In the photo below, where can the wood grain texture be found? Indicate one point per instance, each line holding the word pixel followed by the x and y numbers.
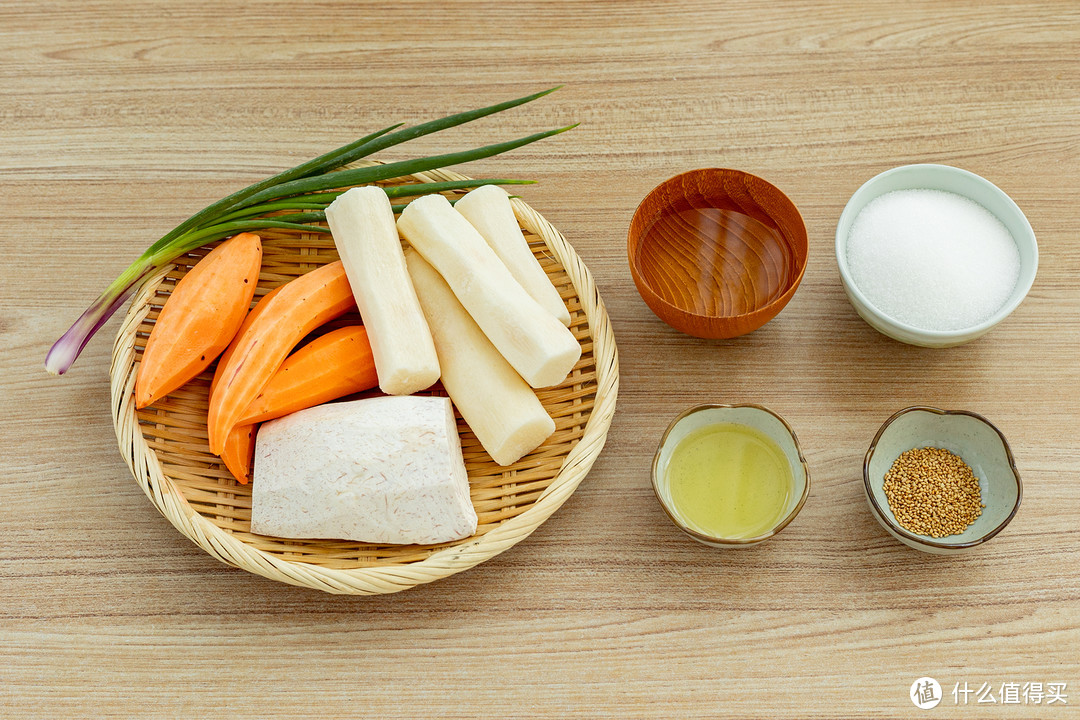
pixel 117 120
pixel 716 252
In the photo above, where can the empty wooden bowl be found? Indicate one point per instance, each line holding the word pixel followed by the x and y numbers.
pixel 716 253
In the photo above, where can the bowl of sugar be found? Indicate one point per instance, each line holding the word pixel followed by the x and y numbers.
pixel 933 255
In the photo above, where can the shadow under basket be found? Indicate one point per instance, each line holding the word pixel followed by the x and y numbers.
pixel 165 445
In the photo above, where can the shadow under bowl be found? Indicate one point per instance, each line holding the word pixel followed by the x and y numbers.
pixel 716 253
pixel 978 443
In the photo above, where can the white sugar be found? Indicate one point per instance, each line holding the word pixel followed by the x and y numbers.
pixel 932 259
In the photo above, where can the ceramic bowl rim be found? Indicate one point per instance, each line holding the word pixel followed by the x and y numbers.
pixel 941 335
pixel 922 539
pixel 709 539
pixel 778 303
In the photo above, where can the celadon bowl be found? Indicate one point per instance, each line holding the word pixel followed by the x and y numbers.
pixel 960 182
pixel 755 416
pixel 977 441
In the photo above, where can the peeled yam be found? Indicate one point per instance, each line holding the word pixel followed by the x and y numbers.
pixel 535 344
pixel 378 470
pixel 362 224
pixel 487 208
pixel 500 408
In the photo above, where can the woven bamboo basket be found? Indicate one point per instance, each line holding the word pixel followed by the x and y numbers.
pixel 165 445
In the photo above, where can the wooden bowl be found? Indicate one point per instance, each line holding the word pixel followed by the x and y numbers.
pixel 716 253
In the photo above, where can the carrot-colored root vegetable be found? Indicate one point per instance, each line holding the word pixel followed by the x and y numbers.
pixel 337 364
pixel 250 318
pixel 296 309
pixel 239 452
pixel 200 318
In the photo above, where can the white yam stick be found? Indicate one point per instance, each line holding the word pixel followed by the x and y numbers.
pixel 362 224
pixel 502 410
pixel 535 344
pixel 487 208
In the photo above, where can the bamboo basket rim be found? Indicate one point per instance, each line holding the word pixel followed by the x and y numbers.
pixel 226 547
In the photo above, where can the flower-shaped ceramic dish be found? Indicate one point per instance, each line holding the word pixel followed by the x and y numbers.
pixel 960 182
pixel 977 441
pixel 716 253
pixel 755 416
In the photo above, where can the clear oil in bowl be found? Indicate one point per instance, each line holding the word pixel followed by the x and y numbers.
pixel 729 481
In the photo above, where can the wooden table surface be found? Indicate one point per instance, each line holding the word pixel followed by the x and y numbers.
pixel 118 119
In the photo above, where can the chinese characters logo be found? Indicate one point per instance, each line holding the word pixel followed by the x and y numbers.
pixel 925 693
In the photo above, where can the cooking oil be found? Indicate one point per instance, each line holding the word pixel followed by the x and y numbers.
pixel 729 480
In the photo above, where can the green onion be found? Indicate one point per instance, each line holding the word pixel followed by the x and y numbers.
pixel 296 189
pixel 321 200
pixel 230 201
pixel 258 210
pixel 280 222
pixel 374 173
pixel 380 141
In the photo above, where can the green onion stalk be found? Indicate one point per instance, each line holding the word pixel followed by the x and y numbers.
pixel 293 199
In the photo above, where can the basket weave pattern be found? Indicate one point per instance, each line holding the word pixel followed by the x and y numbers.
pixel 165 445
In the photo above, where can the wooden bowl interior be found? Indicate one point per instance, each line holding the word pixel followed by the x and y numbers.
pixel 719 250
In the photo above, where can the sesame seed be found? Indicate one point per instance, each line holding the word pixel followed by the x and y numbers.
pixel 933 492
